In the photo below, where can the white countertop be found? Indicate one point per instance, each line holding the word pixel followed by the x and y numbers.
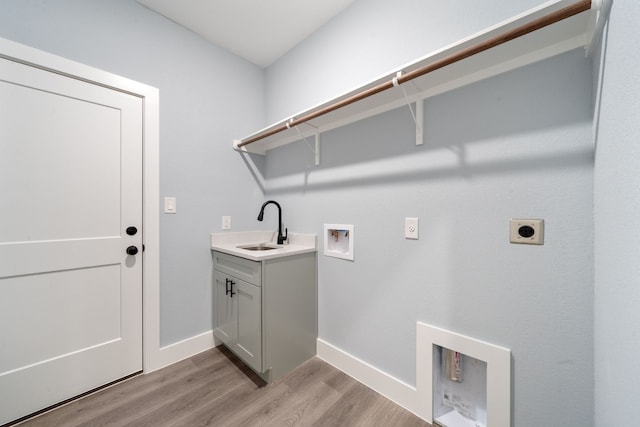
pixel 229 242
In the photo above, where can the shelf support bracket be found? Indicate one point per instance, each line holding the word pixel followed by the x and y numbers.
pixel 419 120
pixel 315 151
pixel 317 148
pixel 418 115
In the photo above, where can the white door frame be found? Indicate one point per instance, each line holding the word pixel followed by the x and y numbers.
pixel 152 357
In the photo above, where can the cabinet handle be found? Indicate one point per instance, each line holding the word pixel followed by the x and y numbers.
pixel 231 293
pixel 228 287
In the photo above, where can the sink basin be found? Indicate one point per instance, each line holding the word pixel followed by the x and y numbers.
pixel 261 247
pixel 258 248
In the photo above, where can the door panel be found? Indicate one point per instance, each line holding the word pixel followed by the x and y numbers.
pixel 95 287
pixel 70 184
pixel 249 323
pixel 52 194
pixel 226 313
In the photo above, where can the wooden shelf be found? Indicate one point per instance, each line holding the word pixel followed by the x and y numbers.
pixel 567 34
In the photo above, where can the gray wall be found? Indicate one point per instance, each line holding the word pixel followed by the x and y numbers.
pixel 371 38
pixel 517 145
pixel 617 209
pixel 207 97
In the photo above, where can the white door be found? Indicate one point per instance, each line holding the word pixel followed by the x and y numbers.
pixel 70 186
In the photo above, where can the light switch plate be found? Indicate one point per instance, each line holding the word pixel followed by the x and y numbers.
pixel 411 228
pixel 527 231
pixel 169 205
pixel 226 222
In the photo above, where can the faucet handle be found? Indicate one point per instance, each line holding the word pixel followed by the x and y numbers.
pixel 283 239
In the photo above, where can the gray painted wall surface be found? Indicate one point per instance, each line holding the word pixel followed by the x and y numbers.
pixel 617 208
pixel 371 38
pixel 518 145
pixel 207 97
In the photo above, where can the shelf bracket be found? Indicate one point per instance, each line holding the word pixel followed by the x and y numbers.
pixel 317 148
pixel 418 115
pixel 315 151
pixel 419 120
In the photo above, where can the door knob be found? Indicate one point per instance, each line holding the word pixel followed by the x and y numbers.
pixel 131 231
pixel 132 250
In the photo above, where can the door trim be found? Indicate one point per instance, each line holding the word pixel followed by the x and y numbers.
pixel 151 354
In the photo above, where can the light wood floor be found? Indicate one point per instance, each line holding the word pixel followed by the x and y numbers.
pixel 215 389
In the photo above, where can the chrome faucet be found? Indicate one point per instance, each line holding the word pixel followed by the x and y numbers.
pixel 281 238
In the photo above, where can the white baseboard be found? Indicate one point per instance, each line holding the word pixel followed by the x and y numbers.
pixel 390 387
pixel 184 349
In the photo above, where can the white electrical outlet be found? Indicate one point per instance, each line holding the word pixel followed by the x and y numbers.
pixel 411 228
pixel 226 222
pixel 527 231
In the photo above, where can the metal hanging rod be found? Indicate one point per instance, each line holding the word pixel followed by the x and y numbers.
pixel 544 21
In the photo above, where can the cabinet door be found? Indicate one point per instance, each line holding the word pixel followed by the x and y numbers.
pixel 226 310
pixel 249 332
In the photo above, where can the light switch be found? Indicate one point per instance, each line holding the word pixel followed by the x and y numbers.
pixel 169 205
pixel 226 222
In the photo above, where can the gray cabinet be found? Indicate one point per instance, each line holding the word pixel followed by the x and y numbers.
pixel 238 311
pixel 265 311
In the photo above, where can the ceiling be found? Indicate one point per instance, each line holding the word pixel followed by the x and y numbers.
pixel 258 30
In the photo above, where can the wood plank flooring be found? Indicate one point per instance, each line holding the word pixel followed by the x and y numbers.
pixel 215 388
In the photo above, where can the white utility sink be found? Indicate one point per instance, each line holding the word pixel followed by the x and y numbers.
pixel 261 245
